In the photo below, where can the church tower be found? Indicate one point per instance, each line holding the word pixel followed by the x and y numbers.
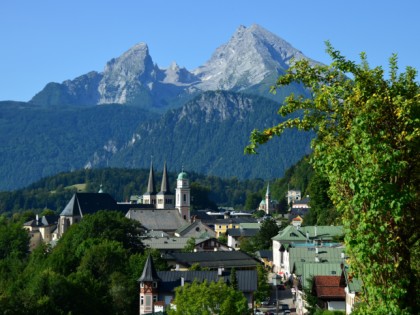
pixel 149 281
pixel 182 202
pixel 165 200
pixel 149 197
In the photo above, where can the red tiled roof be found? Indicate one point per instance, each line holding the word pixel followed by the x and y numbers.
pixel 328 287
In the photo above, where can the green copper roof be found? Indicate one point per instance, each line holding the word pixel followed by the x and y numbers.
pixel 183 175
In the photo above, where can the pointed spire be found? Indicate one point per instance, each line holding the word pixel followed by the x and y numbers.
pixel 267 193
pixel 149 271
pixel 165 183
pixel 151 188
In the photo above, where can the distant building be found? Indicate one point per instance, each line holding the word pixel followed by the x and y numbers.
pixel 157 288
pixel 268 205
pixel 41 230
pixel 293 195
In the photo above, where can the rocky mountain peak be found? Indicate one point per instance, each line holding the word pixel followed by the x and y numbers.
pixel 122 76
pixel 250 55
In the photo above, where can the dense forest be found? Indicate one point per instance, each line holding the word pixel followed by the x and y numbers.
pixel 208 192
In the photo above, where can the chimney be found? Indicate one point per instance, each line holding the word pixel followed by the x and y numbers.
pixel 307 236
pixel 317 259
pixel 315 231
pixel 177 267
pixel 220 271
pixel 182 281
pixel 316 250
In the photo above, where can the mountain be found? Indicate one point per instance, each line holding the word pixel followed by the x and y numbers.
pixel 251 56
pixel 200 119
pixel 208 135
pixel 42 141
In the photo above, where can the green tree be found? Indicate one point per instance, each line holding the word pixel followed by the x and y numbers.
pixel 233 279
pixel 209 298
pixel 263 290
pixel 367 147
pixel 189 247
pixel 252 201
pixel 268 229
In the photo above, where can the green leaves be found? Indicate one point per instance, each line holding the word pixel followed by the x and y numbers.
pixel 367 148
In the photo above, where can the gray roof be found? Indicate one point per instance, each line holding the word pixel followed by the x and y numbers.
pixel 247 279
pixel 167 242
pixel 195 229
pixel 157 219
pixel 242 232
pixel 88 203
pixel 149 271
pixel 214 260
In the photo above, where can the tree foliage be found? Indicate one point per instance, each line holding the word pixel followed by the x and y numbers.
pixel 367 147
pixel 203 298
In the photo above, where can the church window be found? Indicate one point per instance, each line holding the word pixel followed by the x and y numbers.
pixel 185 197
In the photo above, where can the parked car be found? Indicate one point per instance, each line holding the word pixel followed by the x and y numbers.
pixel 258 312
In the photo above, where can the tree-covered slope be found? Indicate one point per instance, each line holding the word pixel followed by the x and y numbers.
pixel 42 141
pixel 208 136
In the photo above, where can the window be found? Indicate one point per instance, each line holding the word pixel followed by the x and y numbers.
pixel 154 298
pixel 154 284
pixel 185 197
pixel 142 300
pixel 141 284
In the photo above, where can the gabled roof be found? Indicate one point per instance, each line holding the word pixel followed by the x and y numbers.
pixel 88 203
pixel 328 288
pixel 292 234
pixel 195 229
pixel 226 259
pixel 247 279
pixel 319 269
pixel 167 242
pixel 149 271
pixel 308 254
pixel 157 219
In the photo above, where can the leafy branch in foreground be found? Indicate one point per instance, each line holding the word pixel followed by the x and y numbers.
pixel 367 147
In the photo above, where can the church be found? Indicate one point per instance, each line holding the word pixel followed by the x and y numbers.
pixel 165 211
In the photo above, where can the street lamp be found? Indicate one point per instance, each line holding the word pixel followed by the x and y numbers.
pixel 276 281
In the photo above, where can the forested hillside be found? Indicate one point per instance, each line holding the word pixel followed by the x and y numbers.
pixel 42 141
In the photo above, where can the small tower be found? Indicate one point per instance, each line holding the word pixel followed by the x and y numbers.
pixel 165 199
pixel 148 287
pixel 182 200
pixel 149 197
pixel 267 200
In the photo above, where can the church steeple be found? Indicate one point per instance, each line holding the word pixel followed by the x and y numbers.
pixel 165 199
pixel 164 187
pixel 149 197
pixel 151 187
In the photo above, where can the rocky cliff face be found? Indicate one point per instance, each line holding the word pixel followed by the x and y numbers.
pixel 251 55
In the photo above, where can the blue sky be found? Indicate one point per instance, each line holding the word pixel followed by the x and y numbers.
pixel 52 40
